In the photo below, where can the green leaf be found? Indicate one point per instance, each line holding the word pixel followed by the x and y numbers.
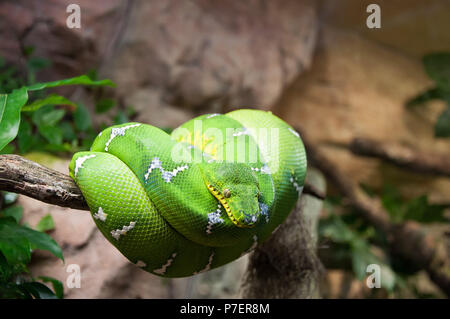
pixel 420 210
pixel 14 212
pixel 7 271
pixel 57 285
pixel 36 63
pixel 47 116
pixel 52 134
pixel 8 149
pixel 28 50
pixel 38 290
pixel 361 258
pixel 335 229
pixel 393 202
pixel 67 130
pixel 24 137
pixel 82 118
pixel 442 126
pixel 12 291
pixel 16 241
pixel 104 105
pixel 79 80
pixel 15 248
pixel 64 147
pixel 431 94
pixel 10 106
pixel 46 223
pixel 53 99
pixel 92 74
pixel 437 65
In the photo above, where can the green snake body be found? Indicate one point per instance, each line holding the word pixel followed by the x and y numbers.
pixel 180 204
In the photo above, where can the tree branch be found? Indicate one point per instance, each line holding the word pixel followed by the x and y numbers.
pixel 407 240
pixel 402 156
pixel 26 177
pixel 22 176
pixel 286 265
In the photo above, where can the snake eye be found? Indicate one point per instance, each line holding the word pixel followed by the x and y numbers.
pixel 226 193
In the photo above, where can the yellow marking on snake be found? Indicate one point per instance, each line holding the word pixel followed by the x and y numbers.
pixel 224 203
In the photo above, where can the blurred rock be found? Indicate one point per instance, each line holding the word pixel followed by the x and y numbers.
pixel 416 28
pixel 197 54
pixel 43 27
pixel 151 110
pixel 203 54
pixel 358 88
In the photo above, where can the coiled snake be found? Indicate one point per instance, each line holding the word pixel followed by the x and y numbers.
pixel 184 203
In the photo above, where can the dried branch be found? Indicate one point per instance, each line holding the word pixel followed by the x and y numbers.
pixel 26 177
pixel 286 265
pixel 402 156
pixel 407 240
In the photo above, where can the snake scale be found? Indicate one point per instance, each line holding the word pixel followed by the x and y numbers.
pixel 183 203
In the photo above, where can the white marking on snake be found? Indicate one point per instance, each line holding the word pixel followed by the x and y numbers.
pixel 100 134
pixel 297 187
pixel 141 264
pixel 264 210
pixel 244 131
pixel 263 170
pixel 163 269
pixel 208 265
pixel 212 115
pixel 293 132
pixel 118 131
pixel 166 175
pixel 118 232
pixel 100 215
pixel 79 162
pixel 214 218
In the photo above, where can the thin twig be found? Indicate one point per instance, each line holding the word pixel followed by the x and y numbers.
pixel 402 156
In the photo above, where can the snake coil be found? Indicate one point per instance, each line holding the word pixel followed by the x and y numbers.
pixel 211 191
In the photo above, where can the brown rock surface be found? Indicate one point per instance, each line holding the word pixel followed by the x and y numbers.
pixel 358 88
pixel 43 27
pixel 413 27
pixel 197 54
pixel 210 54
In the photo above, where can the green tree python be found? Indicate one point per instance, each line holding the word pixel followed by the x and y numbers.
pixel 181 204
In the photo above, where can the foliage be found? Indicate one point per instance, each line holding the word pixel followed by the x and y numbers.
pixel 352 238
pixel 356 243
pixel 17 242
pixel 31 120
pixel 437 66
pixel 417 209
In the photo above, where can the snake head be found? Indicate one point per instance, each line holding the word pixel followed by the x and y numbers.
pixel 237 189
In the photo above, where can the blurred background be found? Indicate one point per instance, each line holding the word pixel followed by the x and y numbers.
pixel 315 64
